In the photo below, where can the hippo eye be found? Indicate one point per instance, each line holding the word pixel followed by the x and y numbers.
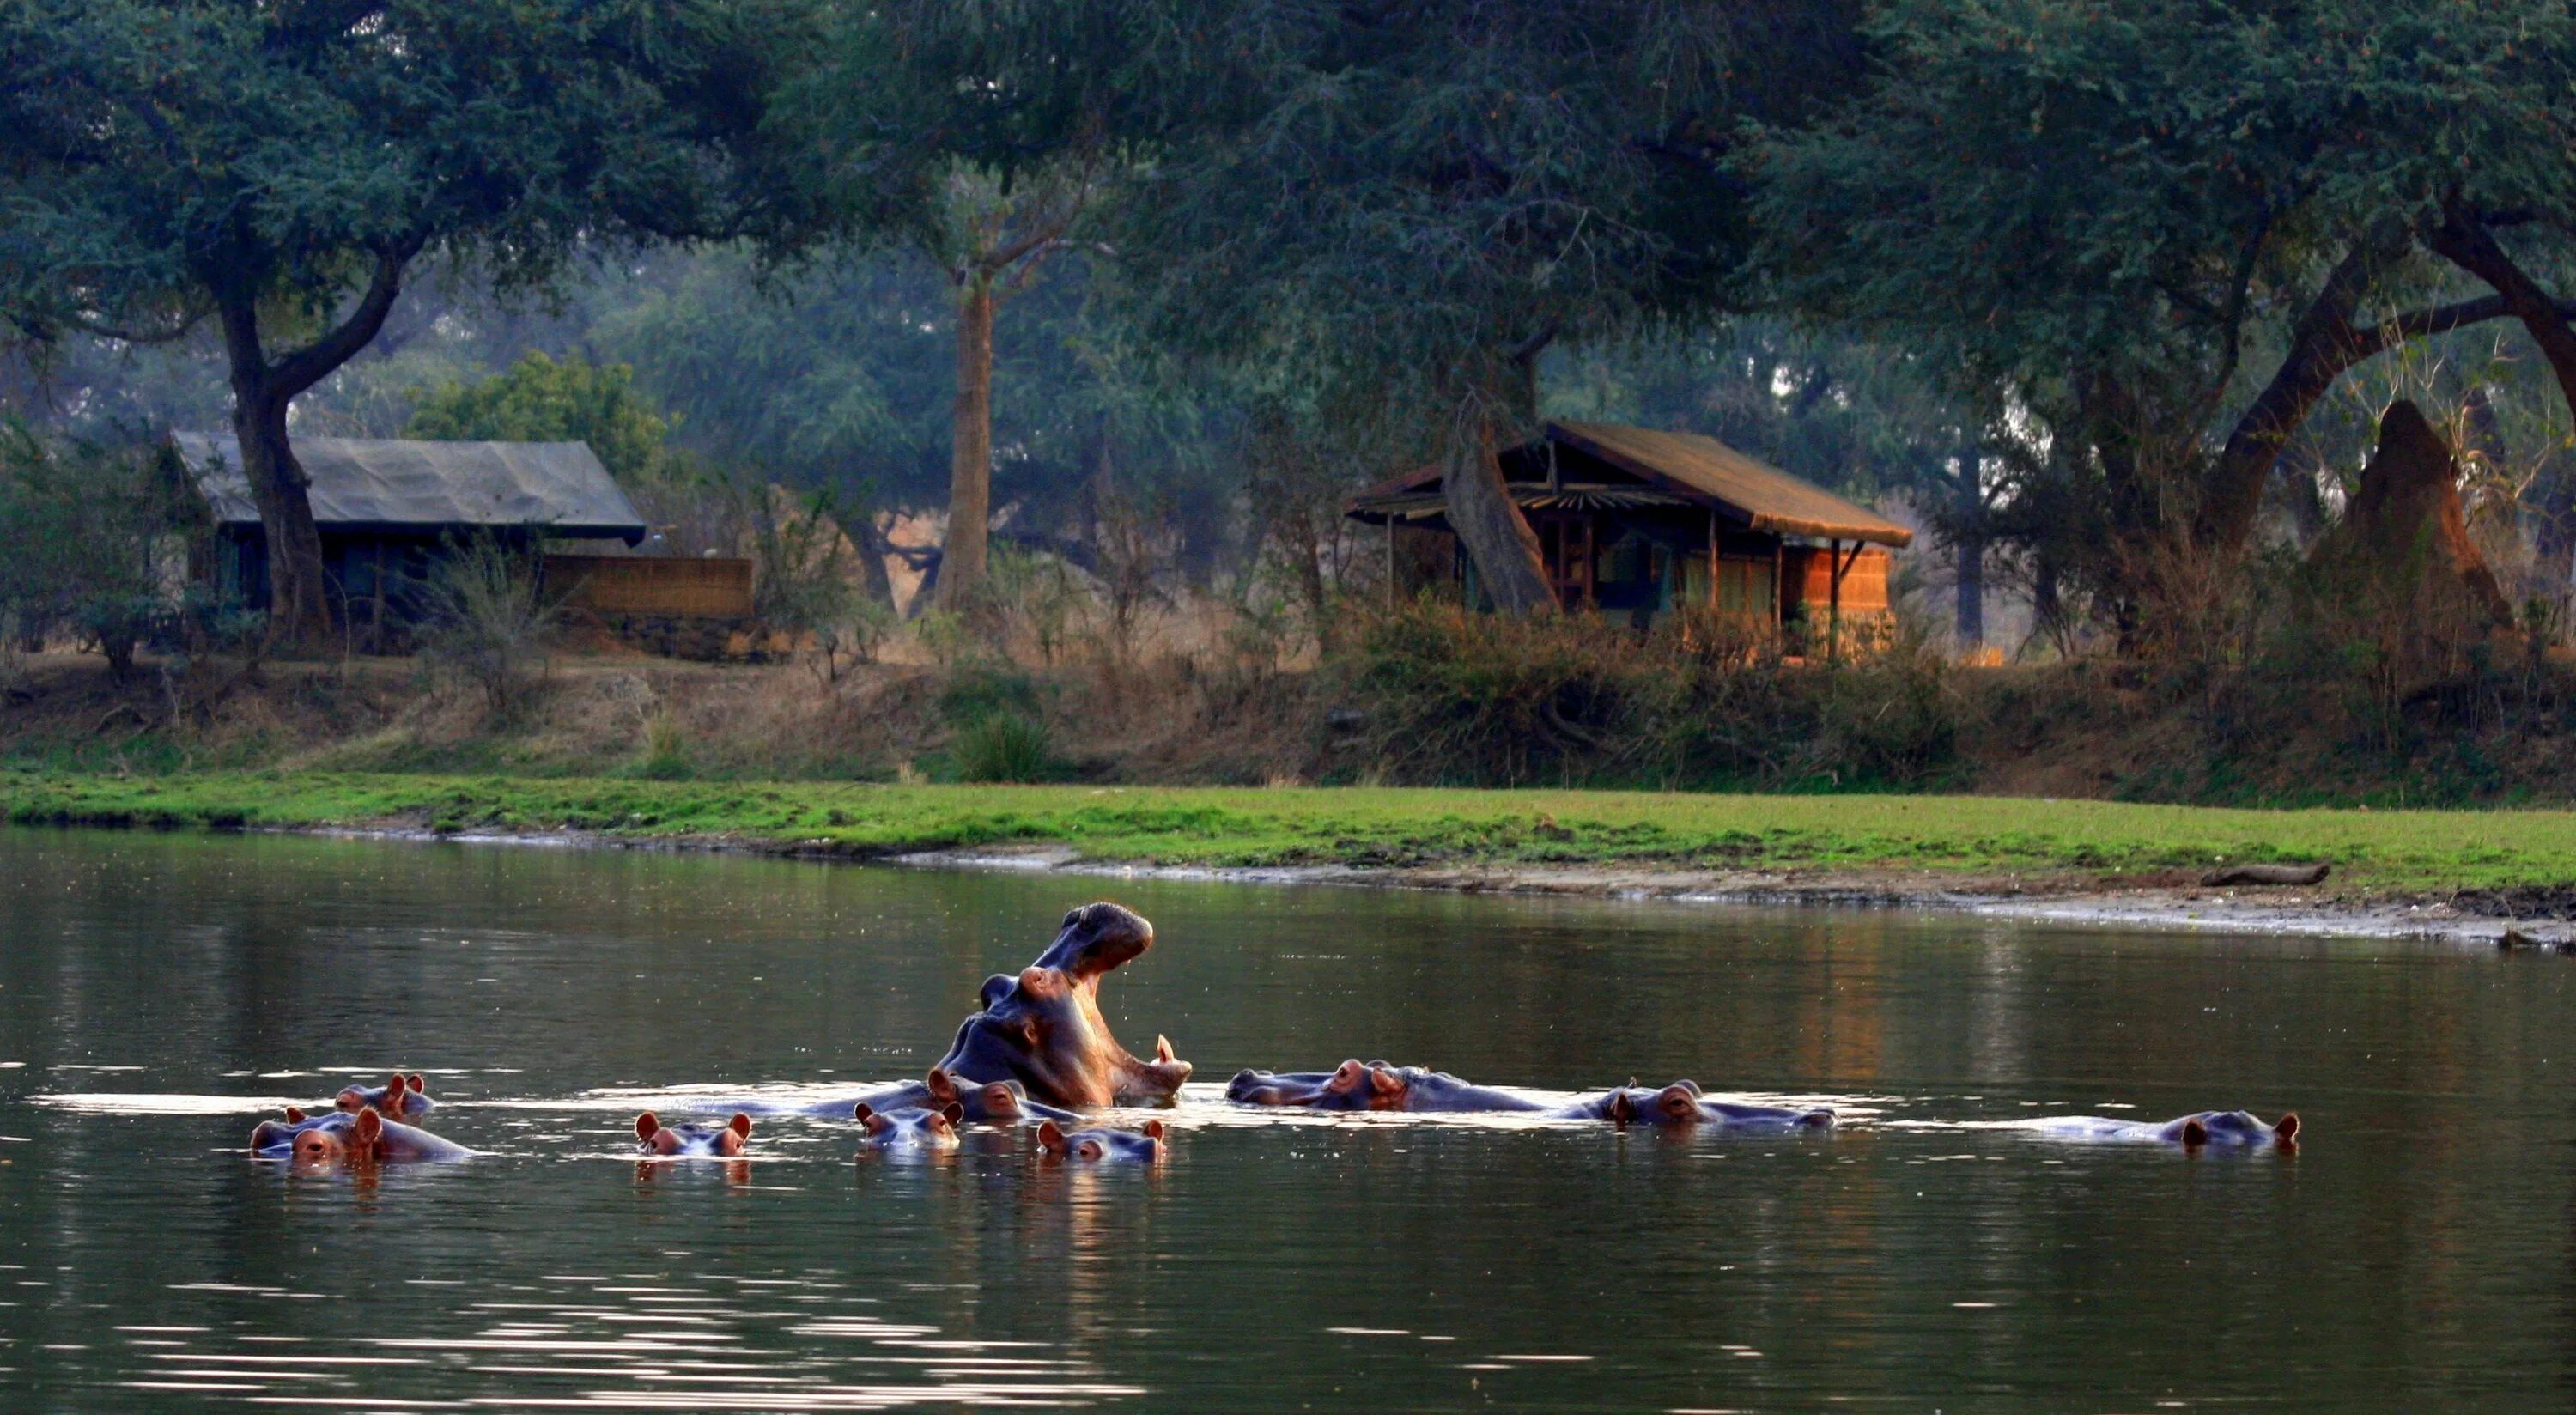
pixel 1071 918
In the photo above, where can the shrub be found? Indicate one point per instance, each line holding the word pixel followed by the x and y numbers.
pixel 488 622
pixel 1448 696
pixel 1004 747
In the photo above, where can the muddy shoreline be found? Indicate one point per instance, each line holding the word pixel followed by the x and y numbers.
pixel 2469 919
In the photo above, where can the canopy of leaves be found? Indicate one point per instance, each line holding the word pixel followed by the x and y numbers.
pixel 163 156
pixel 540 400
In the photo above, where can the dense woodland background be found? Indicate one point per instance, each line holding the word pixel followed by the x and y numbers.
pixel 2113 299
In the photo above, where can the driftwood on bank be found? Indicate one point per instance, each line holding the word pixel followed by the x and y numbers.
pixel 2266 874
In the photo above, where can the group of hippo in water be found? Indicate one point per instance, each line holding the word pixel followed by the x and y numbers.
pixel 1038 1051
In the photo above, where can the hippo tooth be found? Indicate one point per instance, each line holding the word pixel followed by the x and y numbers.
pixel 1162 1047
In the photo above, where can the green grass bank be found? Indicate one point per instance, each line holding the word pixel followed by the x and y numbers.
pixel 2375 853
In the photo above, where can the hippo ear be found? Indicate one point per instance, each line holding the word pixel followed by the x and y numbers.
pixel 419 1087
pixel 953 1113
pixel 740 1125
pixel 646 1124
pixel 863 1113
pixel 1154 1129
pixel 2287 1132
pixel 294 1116
pixel 876 1124
pixel 395 1086
pixel 943 1087
pixel 1051 1138
pixel 1385 1082
pixel 2195 1133
pixel 1622 1108
pixel 370 1126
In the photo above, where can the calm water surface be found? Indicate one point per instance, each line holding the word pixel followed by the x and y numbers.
pixel 156 993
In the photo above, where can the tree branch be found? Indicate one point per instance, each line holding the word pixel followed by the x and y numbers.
pixel 314 362
pixel 2465 239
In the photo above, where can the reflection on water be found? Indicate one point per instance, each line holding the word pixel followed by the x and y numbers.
pixel 157 994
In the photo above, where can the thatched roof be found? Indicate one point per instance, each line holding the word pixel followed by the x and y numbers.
pixel 1633 466
pixel 382 485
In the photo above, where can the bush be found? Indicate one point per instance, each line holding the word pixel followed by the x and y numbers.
pixel 488 622
pixel 97 536
pixel 1449 696
pixel 1005 747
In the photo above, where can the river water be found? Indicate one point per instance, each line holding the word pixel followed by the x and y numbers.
pixel 159 993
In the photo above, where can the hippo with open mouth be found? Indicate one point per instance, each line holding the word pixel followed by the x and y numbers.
pixel 726 1141
pixel 1043 1028
pixel 400 1097
pixel 2201 1128
pixel 354 1137
pixel 1090 1146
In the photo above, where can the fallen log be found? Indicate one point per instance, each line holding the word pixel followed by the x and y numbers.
pixel 2266 874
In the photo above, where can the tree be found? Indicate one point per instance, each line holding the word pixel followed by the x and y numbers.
pixel 276 170
pixel 2157 229
pixel 1405 205
pixel 539 399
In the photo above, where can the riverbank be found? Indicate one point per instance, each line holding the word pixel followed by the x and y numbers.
pixel 2452 873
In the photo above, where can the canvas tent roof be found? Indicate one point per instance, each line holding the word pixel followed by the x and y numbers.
pixel 386 485
pixel 1672 467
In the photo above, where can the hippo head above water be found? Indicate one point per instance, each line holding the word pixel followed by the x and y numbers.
pixel 2231 1127
pixel 1372 1085
pixel 708 1141
pixel 1090 1145
pixel 1682 1104
pixel 400 1097
pixel 361 1137
pixel 1044 1030
pixel 912 1127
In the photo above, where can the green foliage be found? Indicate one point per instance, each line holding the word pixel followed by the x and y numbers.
pixel 98 536
pixel 538 399
pixel 1005 747
pixel 1453 697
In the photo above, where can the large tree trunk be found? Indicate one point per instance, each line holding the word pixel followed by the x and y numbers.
pixel 299 598
pixel 299 594
pixel 1968 549
pixel 1509 562
pixel 970 465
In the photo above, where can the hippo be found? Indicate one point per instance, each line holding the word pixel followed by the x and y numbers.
pixel 1682 1104
pixel 1374 1085
pixel 911 1127
pixel 726 1141
pixel 2207 1127
pixel 1044 1030
pixel 1102 1144
pixel 988 1103
pixel 354 1137
pixel 399 1098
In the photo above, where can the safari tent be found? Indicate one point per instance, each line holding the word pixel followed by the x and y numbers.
pixel 388 509
pixel 1636 524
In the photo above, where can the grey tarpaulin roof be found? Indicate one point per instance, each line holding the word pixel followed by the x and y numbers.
pixel 384 485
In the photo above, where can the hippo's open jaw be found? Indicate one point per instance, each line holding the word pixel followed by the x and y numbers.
pixel 1095 939
pixel 1043 1028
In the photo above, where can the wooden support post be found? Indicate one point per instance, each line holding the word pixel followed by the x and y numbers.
pixel 1712 561
pixel 1779 584
pixel 1390 560
pixel 1834 595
